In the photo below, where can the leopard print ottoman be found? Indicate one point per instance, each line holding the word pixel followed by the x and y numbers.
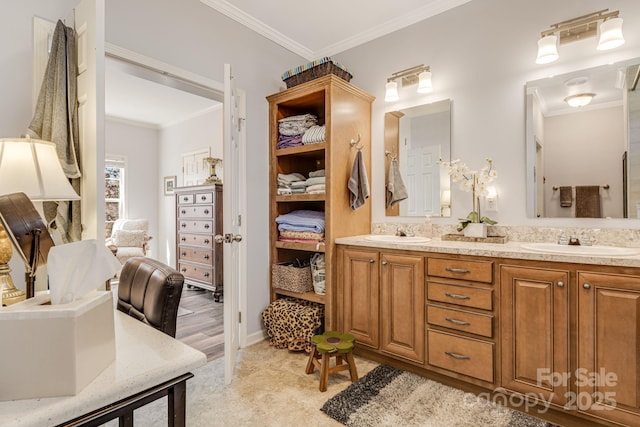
pixel 291 323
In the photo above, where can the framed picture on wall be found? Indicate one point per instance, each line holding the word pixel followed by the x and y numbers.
pixel 169 185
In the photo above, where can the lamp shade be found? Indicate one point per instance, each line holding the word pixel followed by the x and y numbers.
pixel 424 82
pixel 547 49
pixel 391 92
pixel 610 34
pixel 32 167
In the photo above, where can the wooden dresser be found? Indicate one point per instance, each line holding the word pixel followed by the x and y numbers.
pixel 198 220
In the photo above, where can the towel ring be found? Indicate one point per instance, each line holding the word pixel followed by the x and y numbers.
pixel 354 143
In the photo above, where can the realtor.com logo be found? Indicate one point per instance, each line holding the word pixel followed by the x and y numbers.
pixel 542 401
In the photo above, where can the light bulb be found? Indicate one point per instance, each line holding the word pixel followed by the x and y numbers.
pixel 391 93
pixel 547 49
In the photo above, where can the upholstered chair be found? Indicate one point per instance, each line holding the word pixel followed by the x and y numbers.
pixel 129 238
pixel 150 292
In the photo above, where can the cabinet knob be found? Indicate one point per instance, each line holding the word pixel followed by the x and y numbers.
pixel 206 256
pixel 206 226
pixel 207 241
pixel 183 254
pixel 184 270
pixel 183 225
pixel 561 284
pixel 586 285
pixel 206 274
pixel 183 212
pixel 384 262
pixel 184 239
pixel 371 261
pixel 203 198
pixel 206 211
pixel 185 198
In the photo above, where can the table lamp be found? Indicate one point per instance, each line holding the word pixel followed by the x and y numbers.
pixel 29 172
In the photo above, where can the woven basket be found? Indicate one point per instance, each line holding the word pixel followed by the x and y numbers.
pixel 290 278
pixel 317 71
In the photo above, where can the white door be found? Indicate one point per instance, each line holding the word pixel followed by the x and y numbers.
pixel 233 176
pixel 89 25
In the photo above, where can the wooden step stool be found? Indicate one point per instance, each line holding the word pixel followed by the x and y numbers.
pixel 328 345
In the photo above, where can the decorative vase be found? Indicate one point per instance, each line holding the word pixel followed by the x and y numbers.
pixel 476 229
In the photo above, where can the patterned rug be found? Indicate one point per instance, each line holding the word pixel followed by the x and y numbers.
pixel 391 397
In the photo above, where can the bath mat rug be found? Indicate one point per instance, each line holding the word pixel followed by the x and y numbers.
pixel 390 397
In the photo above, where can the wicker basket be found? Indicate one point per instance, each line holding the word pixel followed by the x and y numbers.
pixel 286 276
pixel 317 71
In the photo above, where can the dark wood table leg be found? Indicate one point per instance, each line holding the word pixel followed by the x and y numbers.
pixel 126 420
pixel 177 404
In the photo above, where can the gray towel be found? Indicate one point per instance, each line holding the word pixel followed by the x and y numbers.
pixel 396 191
pixel 56 119
pixel 566 196
pixel 588 201
pixel 358 183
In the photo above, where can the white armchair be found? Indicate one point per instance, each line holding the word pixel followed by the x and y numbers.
pixel 129 238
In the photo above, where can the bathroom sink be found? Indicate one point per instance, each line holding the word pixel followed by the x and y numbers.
pixel 390 238
pixel 553 248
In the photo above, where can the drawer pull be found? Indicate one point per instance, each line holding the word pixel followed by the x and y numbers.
pixel 206 226
pixel 456 296
pixel 206 274
pixel 183 254
pixel 457 270
pixel 203 198
pixel 183 225
pixel 587 286
pixel 206 211
pixel 206 256
pixel 457 356
pixel 371 261
pixel 561 284
pixel 206 241
pixel 185 199
pixel 457 322
pixel 184 239
pixel 183 212
pixel 184 270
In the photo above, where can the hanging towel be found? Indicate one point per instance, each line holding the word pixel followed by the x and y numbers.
pixel 588 201
pixel 56 119
pixel 358 183
pixel 396 191
pixel 565 197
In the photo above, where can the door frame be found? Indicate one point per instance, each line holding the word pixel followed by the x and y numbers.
pixel 195 82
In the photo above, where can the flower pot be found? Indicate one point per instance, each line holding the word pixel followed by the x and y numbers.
pixel 475 229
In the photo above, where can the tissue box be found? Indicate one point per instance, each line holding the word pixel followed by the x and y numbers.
pixel 55 350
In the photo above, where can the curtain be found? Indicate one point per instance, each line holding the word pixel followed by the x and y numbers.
pixel 56 119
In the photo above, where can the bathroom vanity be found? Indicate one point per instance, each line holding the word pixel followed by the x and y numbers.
pixel 559 329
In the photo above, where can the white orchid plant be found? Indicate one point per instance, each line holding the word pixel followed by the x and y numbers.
pixel 476 182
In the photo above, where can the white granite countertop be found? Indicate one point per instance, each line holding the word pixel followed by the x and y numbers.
pixel 144 357
pixel 498 250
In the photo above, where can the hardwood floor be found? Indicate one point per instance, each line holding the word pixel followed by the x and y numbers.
pixel 204 328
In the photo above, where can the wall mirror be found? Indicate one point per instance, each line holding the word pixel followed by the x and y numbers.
pixel 414 139
pixel 584 161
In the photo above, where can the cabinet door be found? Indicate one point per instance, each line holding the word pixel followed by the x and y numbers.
pixel 608 375
pixel 402 306
pixel 360 299
pixel 535 331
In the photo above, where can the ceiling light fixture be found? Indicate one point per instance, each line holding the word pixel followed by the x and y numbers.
pixel 420 74
pixel 579 99
pixel 580 28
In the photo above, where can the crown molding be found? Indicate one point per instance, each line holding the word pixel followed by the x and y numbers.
pixel 259 27
pixel 433 8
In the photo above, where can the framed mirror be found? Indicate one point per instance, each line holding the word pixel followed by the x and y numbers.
pixel 415 139
pixel 584 160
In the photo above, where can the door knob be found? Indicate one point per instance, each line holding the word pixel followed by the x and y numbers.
pixel 218 238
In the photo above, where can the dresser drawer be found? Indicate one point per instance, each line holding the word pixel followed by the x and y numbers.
pixel 461 295
pixel 185 199
pixel 195 212
pixel 196 240
pixel 462 355
pixel 204 197
pixel 202 256
pixel 198 226
pixel 477 271
pixel 460 320
pixel 196 272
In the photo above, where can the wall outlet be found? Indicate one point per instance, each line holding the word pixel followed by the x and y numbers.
pixel 492 203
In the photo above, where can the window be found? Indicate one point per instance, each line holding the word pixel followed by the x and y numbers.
pixel 113 192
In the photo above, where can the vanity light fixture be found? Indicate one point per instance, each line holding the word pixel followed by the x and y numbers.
pixel 582 27
pixel 579 99
pixel 420 74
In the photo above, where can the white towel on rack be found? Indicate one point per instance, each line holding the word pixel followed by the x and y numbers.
pixel 358 183
pixel 396 191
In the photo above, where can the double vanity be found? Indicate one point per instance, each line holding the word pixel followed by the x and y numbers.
pixel 554 325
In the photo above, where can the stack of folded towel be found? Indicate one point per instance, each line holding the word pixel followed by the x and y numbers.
pixel 291 183
pixel 315 185
pixel 314 135
pixel 303 226
pixel 291 129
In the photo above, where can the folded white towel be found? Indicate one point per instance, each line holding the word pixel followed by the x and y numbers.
pixel 290 177
pixel 316 180
pixel 314 174
pixel 358 182
pixel 396 191
pixel 316 188
pixel 314 135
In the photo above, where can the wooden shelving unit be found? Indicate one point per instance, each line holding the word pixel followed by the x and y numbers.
pixel 345 110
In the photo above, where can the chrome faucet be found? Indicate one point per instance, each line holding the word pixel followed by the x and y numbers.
pixel 402 232
pixel 574 241
pixel 562 240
